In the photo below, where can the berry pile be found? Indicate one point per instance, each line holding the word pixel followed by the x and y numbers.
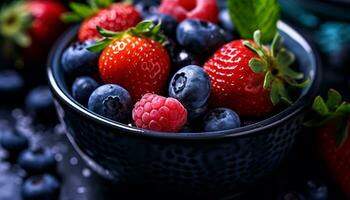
pixel 181 68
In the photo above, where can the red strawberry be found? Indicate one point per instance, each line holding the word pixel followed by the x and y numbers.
pixel 188 9
pixel 113 17
pixel 33 25
pixel 333 137
pixel 138 63
pixel 247 77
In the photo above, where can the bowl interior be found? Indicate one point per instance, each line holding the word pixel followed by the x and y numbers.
pixel 306 60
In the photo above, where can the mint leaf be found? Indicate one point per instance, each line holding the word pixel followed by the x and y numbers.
pixel 251 15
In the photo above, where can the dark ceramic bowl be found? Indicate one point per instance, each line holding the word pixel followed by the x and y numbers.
pixel 196 163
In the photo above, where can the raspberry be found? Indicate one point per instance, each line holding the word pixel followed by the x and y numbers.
pixel 157 113
pixel 190 9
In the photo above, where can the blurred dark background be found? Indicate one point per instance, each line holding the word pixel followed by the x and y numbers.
pixel 27 106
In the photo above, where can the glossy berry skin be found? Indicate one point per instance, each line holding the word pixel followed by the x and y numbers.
pixel 190 9
pixel 42 187
pixel 159 113
pixel 168 23
pixel 191 86
pixel 219 119
pixel 111 101
pixel 140 65
pixel 82 89
pixel 184 58
pixel 12 87
pixel 234 84
pixel 13 141
pixel 200 37
pixel 37 161
pixel 78 61
pixel 45 28
pixel 336 157
pixel 225 20
pixel 39 102
pixel 117 17
pixel 316 190
pixel 146 9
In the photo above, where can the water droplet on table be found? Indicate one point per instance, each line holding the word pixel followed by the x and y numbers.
pixel 73 161
pixel 86 172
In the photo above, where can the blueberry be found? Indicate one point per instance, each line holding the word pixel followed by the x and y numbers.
pixel 200 37
pixel 82 89
pixel 191 86
pixel 292 196
pixel 111 101
pixel 225 21
pixel 11 87
pixel 316 190
pixel 184 58
pixel 220 119
pixel 146 9
pixel 43 187
pixel 39 102
pixel 37 161
pixel 78 61
pixel 10 81
pixel 168 25
pixel 13 141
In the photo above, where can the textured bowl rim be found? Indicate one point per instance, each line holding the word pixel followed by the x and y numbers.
pixel 293 110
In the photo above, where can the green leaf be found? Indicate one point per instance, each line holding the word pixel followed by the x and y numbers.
pixel 343 108
pixel 334 99
pixel 251 15
pixel 276 44
pixel 274 93
pixel 285 58
pixel 342 131
pixel 257 37
pixel 105 33
pixel 144 26
pixel 256 50
pixel 283 93
pixel 81 9
pixel 103 3
pixel 320 106
pixel 268 80
pixel 100 45
pixel 257 65
pixel 22 39
pixel 301 85
pixel 71 18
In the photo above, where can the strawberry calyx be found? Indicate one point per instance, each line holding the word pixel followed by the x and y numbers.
pixel 275 63
pixel 15 21
pixel 334 108
pixel 143 29
pixel 81 11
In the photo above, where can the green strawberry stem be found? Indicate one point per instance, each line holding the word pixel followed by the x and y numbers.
pixel 275 63
pixel 333 109
pixel 82 11
pixel 142 29
pixel 14 24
